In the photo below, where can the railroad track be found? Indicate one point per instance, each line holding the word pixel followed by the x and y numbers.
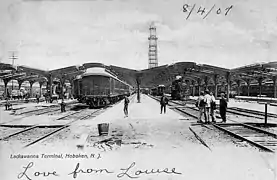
pixel 45 110
pixel 37 133
pixel 249 112
pixel 236 110
pixel 17 102
pixel 37 112
pixel 262 139
pixel 33 112
pixel 257 137
pixel 32 135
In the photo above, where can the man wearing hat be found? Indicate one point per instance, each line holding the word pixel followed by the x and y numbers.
pixel 223 107
pixel 208 100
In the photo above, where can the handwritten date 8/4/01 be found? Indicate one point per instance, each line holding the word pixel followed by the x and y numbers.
pixel 204 12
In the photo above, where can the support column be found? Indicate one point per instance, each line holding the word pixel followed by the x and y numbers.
pixel 19 83
pixel 50 82
pixel 138 81
pixel 62 86
pixel 187 93
pixel 193 87
pixel 72 87
pixel 228 85
pixel 6 87
pixel 40 88
pixel 31 88
pixel 248 86
pixel 215 85
pixel 260 80
pixel 274 86
pixel 138 89
pixel 238 88
pixel 199 86
pixel 206 82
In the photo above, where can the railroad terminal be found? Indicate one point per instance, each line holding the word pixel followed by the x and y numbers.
pixel 246 143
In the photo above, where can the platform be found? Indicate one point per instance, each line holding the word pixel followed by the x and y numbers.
pixel 155 141
pixel 253 105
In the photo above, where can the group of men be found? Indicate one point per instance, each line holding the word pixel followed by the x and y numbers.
pixel 207 106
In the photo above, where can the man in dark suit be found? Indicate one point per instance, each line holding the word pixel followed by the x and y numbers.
pixel 126 103
pixel 223 107
pixel 163 103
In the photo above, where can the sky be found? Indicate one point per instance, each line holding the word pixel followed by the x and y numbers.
pixel 51 34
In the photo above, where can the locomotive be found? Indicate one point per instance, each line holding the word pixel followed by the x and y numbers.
pixel 98 87
pixel 176 89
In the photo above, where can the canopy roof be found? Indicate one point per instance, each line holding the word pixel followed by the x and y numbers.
pixel 190 71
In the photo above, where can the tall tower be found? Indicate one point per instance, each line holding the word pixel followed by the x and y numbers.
pixel 153 51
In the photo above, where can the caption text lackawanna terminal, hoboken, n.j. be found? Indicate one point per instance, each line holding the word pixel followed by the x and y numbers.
pixel 55 156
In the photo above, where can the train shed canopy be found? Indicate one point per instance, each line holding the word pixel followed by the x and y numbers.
pixel 4 66
pixel 260 73
pixel 190 72
pixel 125 74
pixel 195 73
pixel 25 73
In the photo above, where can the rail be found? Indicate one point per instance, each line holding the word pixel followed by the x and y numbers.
pixel 267 143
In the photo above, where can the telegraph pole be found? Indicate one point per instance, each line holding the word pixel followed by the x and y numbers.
pixel 13 58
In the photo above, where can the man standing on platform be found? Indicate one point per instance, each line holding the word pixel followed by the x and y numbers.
pixel 37 97
pixel 163 103
pixel 208 100
pixel 213 108
pixel 62 106
pixel 201 105
pixel 223 107
pixel 126 103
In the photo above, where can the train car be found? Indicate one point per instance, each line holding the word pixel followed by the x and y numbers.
pixel 76 87
pixel 254 90
pixel 98 87
pixel 176 89
pixel 145 91
pixel 154 91
pixel 161 89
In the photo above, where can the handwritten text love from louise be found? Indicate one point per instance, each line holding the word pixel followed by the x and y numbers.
pixel 204 12
pixel 29 172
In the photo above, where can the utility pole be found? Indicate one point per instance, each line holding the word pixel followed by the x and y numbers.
pixel 13 58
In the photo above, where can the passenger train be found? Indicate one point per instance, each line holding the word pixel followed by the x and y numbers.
pixel 158 91
pixel 254 89
pixel 98 87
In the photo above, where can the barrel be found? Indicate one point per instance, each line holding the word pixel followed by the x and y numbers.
pixel 103 129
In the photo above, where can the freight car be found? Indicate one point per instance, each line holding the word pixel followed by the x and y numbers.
pixel 98 87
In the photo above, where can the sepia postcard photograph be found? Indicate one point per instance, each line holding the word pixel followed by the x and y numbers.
pixel 138 89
